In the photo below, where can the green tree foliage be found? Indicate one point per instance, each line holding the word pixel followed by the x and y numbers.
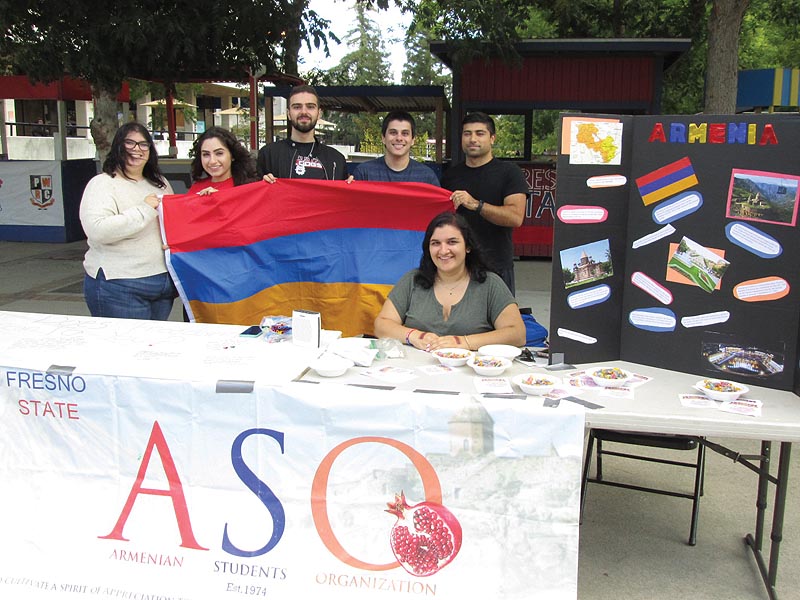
pixel 422 68
pixel 509 142
pixel 768 36
pixel 473 27
pixel 158 114
pixel 309 28
pixel 684 82
pixel 367 63
pixel 107 41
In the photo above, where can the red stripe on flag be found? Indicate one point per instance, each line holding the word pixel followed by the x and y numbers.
pixel 265 211
pixel 665 170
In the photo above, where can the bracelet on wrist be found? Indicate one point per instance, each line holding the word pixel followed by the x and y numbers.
pixel 466 341
pixel 408 336
pixel 480 207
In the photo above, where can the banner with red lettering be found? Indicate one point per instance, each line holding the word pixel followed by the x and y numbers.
pixel 116 487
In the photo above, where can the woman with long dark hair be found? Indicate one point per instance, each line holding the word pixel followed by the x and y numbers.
pixel 126 275
pixel 451 300
pixel 219 161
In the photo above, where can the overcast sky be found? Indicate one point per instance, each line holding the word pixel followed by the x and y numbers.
pixel 342 16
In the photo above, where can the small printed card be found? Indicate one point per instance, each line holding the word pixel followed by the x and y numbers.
pixel 623 393
pixel 637 380
pixel 583 380
pixel 435 369
pixel 493 385
pixel 558 393
pixel 580 379
pixel 390 374
pixel 697 401
pixel 743 406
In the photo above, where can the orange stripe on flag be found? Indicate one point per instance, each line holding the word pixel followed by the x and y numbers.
pixel 352 307
pixel 669 190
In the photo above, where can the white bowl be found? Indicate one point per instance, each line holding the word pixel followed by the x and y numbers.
pixel 331 365
pixel 488 366
pixel 721 389
pixel 503 350
pixel 609 376
pixel 452 357
pixel 536 384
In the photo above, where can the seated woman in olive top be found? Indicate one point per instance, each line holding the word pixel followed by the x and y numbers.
pixel 451 300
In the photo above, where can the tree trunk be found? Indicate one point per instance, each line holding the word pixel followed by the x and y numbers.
pixel 104 124
pixel 292 41
pixel 724 24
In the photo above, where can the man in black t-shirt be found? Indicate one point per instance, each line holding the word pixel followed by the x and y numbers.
pixel 301 155
pixel 490 193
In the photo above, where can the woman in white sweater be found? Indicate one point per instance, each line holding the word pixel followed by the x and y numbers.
pixel 126 275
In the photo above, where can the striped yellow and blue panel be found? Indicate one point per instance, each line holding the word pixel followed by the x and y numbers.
pixel 267 249
pixel 785 87
pixel 666 181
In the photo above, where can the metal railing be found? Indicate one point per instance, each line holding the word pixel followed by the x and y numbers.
pixel 23 128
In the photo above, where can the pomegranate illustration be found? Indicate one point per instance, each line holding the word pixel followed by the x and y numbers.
pixel 425 537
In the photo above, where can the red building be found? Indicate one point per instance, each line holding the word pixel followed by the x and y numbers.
pixel 618 76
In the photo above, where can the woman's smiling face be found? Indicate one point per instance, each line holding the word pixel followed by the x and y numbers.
pixel 448 249
pixel 137 151
pixel 216 159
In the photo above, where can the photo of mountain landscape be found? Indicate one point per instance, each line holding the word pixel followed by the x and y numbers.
pixel 762 196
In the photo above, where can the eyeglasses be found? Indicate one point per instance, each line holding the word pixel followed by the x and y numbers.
pixel 131 144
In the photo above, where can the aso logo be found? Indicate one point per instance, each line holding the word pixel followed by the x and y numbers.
pixel 425 537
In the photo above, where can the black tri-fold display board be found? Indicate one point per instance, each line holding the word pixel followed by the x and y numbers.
pixel 676 244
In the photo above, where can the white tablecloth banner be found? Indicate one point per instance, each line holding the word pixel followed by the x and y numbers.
pixel 117 487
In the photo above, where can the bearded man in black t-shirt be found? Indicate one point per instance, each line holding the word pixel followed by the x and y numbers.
pixel 301 155
pixel 490 193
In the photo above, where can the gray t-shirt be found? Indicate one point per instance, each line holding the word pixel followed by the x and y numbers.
pixel 475 313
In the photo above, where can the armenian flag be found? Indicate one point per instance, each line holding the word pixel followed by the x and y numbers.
pixel 266 249
pixel 666 181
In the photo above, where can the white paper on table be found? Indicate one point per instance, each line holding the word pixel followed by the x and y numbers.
pixel 559 392
pixel 580 379
pixel 623 393
pixel 743 406
pixel 362 357
pixel 493 385
pixel 435 369
pixel 390 374
pixel 697 401
pixel 636 380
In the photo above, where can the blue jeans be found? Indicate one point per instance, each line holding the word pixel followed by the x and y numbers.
pixel 139 298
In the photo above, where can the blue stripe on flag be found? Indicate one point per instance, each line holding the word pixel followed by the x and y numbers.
pixel 666 180
pixel 331 256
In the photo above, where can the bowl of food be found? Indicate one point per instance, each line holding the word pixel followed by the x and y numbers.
pixel 721 389
pixel 536 384
pixel 452 357
pixel 331 365
pixel 489 366
pixel 609 376
pixel 503 350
